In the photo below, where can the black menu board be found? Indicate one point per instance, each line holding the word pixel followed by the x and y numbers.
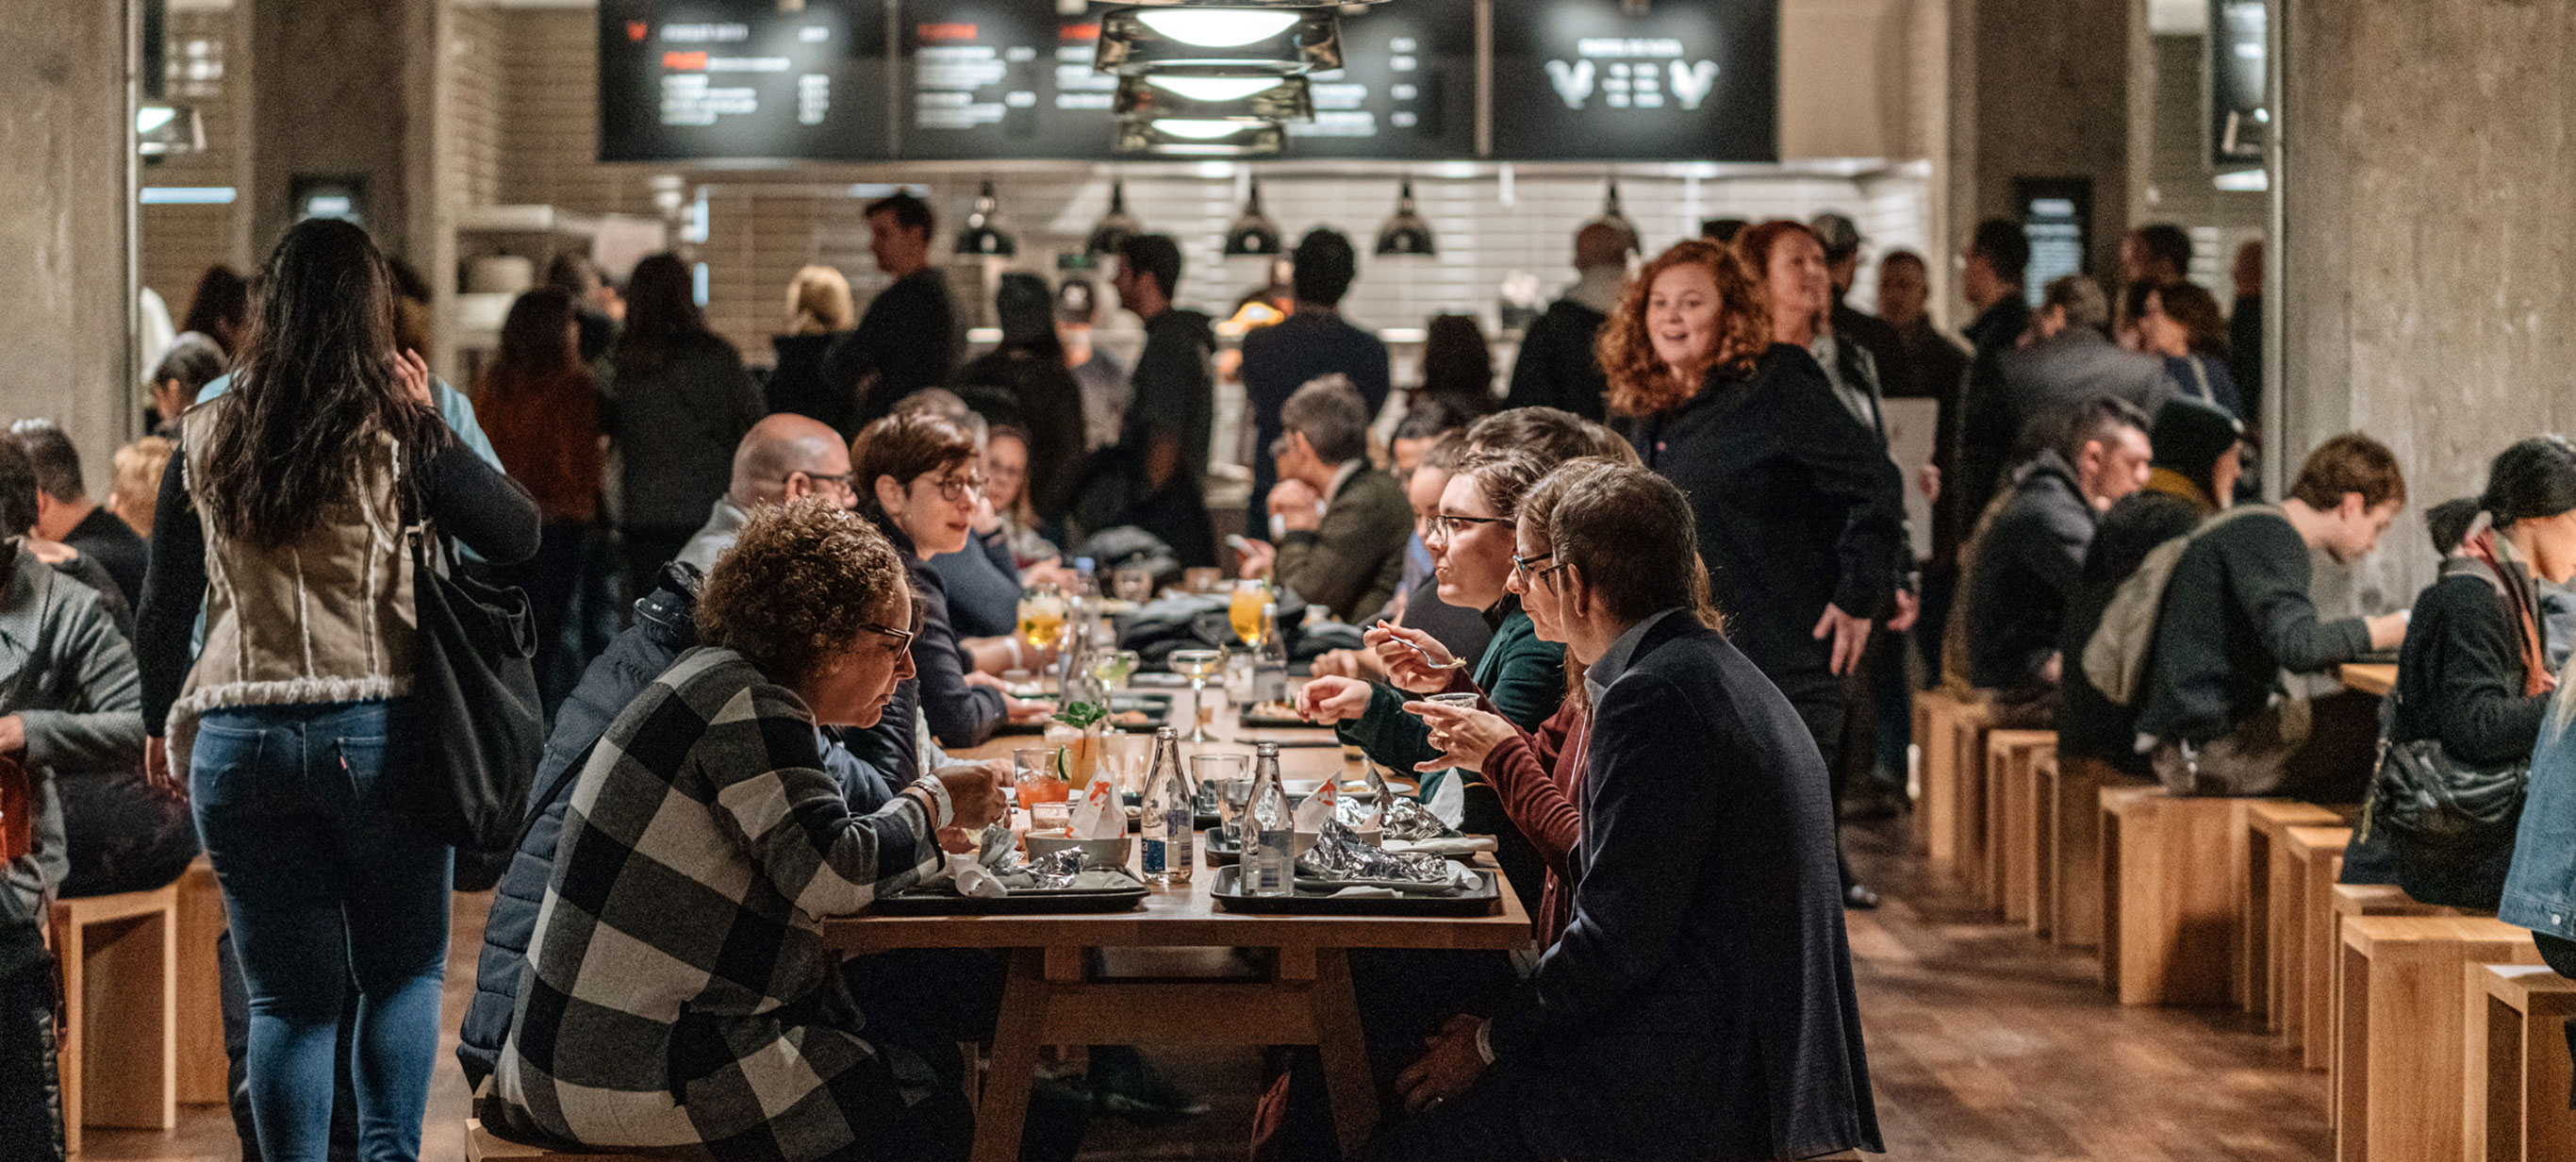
pixel 1001 78
pixel 1406 89
pixel 703 79
pixel 1582 80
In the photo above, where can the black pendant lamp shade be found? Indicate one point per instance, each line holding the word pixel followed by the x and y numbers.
pixel 1230 42
pixel 1407 232
pixel 1114 227
pixel 981 236
pixel 1253 233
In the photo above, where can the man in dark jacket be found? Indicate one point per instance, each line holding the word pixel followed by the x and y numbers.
pixel 65 512
pixel 1690 1011
pixel 1312 342
pixel 1991 280
pixel 1557 366
pixel 907 340
pixel 2028 561
pixel 2237 614
pixel 2193 472
pixel 1342 524
pixel 1154 476
pixel 2069 360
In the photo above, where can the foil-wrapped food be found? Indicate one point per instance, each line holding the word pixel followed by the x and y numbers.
pixel 1408 819
pixel 1339 857
pixel 1000 869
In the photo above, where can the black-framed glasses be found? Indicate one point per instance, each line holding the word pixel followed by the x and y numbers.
pixel 902 637
pixel 958 487
pixel 1446 525
pixel 1523 565
pixel 844 481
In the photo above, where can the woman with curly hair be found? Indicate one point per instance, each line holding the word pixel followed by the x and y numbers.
pixel 1798 508
pixel 678 993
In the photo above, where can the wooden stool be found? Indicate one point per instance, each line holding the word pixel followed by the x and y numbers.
pixel 2346 903
pixel 2168 904
pixel 2307 981
pixel 2043 844
pixel 2399 1078
pixel 2516 1065
pixel 2267 879
pixel 2072 789
pixel 118 1045
pixel 1939 808
pixel 1968 774
pixel 202 1064
pixel 483 1145
pixel 2012 818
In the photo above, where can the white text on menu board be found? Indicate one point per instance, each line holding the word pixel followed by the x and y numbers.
pixel 1631 73
pixel 1341 105
pixel 691 97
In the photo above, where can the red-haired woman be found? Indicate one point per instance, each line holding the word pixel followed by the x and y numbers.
pixel 1798 506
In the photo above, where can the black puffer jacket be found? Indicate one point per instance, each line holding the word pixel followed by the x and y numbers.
pixel 664 629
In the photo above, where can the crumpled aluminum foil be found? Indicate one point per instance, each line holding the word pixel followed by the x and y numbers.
pixel 1408 819
pixel 1070 867
pixel 1338 855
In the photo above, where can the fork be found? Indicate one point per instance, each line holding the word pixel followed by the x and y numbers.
pixel 1410 644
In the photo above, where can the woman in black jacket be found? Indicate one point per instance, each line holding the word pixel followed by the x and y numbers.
pixel 917 480
pixel 678 401
pixel 1799 510
pixel 2473 673
pixel 1024 384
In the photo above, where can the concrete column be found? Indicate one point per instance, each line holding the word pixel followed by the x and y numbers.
pixel 2042 88
pixel 66 228
pixel 2425 246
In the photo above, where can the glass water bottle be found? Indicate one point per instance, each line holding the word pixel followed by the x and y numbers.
pixel 1270 830
pixel 1169 823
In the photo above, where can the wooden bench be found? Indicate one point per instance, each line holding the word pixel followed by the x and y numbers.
pixel 202 1064
pixel 2263 942
pixel 482 1145
pixel 2346 903
pixel 2071 790
pixel 2168 897
pixel 2399 1079
pixel 2307 978
pixel 118 1044
pixel 1950 816
pixel 2516 1066
pixel 2012 819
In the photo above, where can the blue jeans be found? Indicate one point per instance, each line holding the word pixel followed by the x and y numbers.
pixel 324 886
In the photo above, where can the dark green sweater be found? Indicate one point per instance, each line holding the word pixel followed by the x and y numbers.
pixel 1522 676
pixel 2236 614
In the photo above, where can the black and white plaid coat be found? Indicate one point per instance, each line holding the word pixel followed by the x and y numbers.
pixel 679 992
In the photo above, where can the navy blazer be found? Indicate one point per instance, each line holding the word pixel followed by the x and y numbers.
pixel 1700 1003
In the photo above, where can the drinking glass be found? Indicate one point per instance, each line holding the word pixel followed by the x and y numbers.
pixel 1232 795
pixel 1113 666
pixel 1127 756
pixel 1245 612
pixel 1198 666
pixel 1208 771
pixel 1042 610
pixel 1033 774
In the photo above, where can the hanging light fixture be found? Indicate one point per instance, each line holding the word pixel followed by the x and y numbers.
pixel 1199 136
pixel 1613 217
pixel 981 236
pixel 1255 98
pixel 1114 227
pixel 1407 232
pixel 1252 232
pixel 1229 43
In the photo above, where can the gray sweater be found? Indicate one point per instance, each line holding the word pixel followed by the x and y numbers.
pixel 67 674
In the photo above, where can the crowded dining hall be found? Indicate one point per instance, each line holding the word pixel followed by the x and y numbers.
pixel 1399 581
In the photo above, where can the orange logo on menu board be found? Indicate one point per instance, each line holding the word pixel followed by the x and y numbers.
pixel 957 30
pixel 636 30
pixel 1073 33
pixel 696 60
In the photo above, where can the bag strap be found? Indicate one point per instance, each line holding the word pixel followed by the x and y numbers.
pixel 542 803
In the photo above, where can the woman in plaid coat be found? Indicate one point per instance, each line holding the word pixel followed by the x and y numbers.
pixel 679 993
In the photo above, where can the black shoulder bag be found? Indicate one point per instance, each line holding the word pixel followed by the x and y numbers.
pixel 2446 822
pixel 476 728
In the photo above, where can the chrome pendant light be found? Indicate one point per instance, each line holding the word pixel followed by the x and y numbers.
pixel 1199 137
pixel 1252 98
pixel 1408 232
pixel 1114 227
pixel 981 236
pixel 1253 233
pixel 1218 42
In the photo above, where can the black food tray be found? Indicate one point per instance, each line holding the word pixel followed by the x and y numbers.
pixel 1485 900
pixel 942 902
pixel 1222 852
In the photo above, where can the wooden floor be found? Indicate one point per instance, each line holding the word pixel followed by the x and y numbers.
pixel 1984 1044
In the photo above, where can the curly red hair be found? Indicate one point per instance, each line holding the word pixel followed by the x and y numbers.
pixel 1640 383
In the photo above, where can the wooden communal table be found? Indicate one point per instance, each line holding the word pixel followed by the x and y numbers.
pixel 1302 996
pixel 2369 677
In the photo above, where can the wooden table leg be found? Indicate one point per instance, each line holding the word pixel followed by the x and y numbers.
pixel 1345 1051
pixel 1004 1102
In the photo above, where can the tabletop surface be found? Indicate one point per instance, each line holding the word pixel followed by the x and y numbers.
pixel 1187 915
pixel 2369 677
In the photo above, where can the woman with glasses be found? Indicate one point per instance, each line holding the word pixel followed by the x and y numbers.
pixel 918 482
pixel 1522 677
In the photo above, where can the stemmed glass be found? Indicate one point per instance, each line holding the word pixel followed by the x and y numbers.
pixel 1198 666
pixel 1113 666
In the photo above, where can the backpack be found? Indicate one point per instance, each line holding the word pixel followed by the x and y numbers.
pixel 2115 657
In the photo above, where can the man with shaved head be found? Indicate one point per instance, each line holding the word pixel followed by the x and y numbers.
pixel 1557 368
pixel 784 458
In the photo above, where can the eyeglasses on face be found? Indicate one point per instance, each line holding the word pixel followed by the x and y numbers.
pixel 1524 565
pixel 1447 525
pixel 958 487
pixel 836 481
pixel 902 637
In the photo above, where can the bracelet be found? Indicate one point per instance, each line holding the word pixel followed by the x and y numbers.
pixel 1017 660
pixel 942 811
pixel 1485 1040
